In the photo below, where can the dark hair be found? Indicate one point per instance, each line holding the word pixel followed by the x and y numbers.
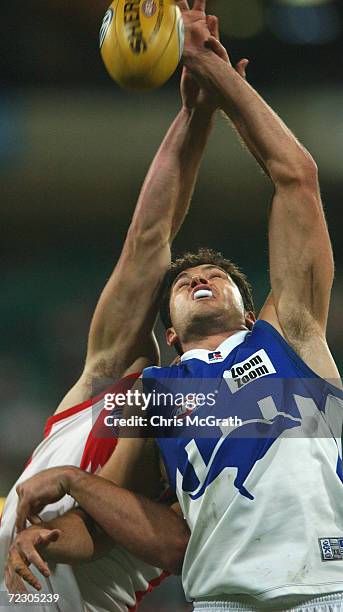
pixel 191 260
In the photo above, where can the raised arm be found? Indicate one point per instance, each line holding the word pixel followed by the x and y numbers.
pixel 161 208
pixel 301 261
pixel 120 338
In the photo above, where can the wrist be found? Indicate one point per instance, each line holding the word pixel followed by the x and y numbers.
pixel 202 110
pixel 186 113
pixel 210 71
pixel 193 59
pixel 70 476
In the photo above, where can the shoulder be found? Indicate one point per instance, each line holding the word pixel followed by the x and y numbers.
pixel 161 372
pixel 305 343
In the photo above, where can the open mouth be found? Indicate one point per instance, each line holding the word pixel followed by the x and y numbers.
pixel 200 294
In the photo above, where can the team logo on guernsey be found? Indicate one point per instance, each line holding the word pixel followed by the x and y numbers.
pixel 215 356
pixel 241 374
pixel 331 549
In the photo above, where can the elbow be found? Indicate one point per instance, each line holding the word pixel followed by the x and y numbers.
pixel 153 238
pixel 301 171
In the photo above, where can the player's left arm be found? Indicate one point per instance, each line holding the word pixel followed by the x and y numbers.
pixel 301 260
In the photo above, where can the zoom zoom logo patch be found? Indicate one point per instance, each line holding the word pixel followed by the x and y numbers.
pixel 243 373
pixel 331 549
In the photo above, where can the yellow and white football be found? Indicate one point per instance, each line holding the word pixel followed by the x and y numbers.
pixel 141 42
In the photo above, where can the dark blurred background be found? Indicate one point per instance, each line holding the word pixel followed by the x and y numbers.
pixel 74 150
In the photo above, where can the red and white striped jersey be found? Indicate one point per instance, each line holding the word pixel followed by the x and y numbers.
pixel 115 583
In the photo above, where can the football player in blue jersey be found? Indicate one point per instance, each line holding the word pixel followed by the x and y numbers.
pixel 265 512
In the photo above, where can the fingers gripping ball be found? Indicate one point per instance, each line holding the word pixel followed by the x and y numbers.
pixel 141 42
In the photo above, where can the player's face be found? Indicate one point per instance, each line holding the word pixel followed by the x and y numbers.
pixel 202 297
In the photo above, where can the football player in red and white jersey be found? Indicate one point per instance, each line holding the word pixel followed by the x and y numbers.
pixel 120 344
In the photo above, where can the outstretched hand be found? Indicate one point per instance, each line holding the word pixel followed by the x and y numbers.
pixel 199 28
pixel 193 95
pixel 203 31
pixel 37 492
pixel 25 551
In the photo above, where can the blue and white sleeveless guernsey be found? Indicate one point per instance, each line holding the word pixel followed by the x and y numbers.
pixel 263 496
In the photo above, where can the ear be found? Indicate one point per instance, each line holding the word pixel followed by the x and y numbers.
pixel 250 319
pixel 171 336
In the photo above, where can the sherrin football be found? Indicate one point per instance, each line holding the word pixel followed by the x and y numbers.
pixel 141 42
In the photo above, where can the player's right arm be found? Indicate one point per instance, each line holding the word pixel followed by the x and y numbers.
pixel 120 338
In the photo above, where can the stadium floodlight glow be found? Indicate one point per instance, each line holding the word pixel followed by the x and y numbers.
pixel 315 22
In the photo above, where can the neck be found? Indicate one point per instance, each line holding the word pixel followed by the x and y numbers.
pixel 211 342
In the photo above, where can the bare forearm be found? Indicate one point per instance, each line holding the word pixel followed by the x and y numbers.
pixel 169 185
pixel 146 255
pixel 150 531
pixel 300 250
pixel 80 539
pixel 265 134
